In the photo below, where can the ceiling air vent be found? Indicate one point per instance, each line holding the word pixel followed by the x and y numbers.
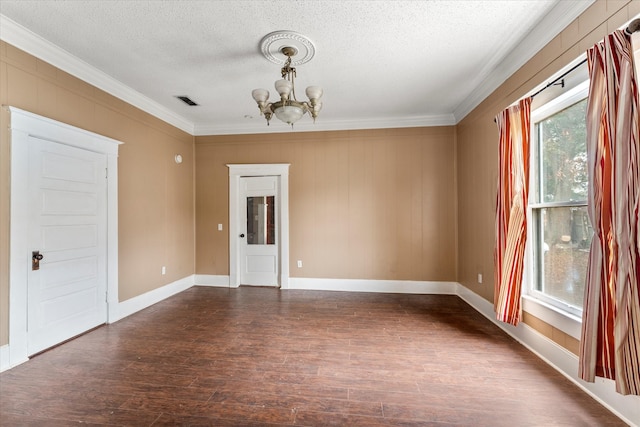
pixel 186 100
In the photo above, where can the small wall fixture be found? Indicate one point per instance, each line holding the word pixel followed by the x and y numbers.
pixel 288 109
pixel 178 158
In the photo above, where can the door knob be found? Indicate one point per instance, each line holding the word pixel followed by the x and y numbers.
pixel 36 256
pixel 242 235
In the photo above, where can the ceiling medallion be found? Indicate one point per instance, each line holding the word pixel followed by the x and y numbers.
pixel 271 47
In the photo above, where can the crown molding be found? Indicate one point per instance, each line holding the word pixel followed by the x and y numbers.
pixel 20 37
pixel 306 125
pixel 560 16
pixel 24 39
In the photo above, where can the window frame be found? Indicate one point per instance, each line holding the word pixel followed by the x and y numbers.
pixel 565 316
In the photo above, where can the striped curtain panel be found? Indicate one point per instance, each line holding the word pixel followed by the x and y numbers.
pixel 511 210
pixel 610 344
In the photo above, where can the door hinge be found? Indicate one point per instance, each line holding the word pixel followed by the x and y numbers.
pixel 106 173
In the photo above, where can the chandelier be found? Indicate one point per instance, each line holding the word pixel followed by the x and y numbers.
pixel 288 109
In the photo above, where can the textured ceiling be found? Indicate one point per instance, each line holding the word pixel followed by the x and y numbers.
pixel 380 63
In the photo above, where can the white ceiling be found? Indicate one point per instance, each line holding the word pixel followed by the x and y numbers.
pixel 380 63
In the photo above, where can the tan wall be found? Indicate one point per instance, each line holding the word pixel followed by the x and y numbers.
pixel 478 145
pixel 156 200
pixel 375 204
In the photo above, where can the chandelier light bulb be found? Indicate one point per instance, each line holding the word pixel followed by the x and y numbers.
pixel 284 88
pixel 314 92
pixel 260 95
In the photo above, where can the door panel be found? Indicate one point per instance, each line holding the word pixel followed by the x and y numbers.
pixel 261 263
pixel 68 202
pixel 67 224
pixel 71 270
pixel 59 238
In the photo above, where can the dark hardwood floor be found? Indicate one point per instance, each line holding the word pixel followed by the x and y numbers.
pixel 260 356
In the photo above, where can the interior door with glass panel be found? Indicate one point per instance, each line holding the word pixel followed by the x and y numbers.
pixel 259 237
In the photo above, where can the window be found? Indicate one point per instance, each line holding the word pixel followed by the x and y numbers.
pixel 560 229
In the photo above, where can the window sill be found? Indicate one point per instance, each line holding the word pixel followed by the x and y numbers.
pixel 563 321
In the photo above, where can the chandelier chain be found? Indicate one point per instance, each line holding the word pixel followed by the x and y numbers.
pixel 289 73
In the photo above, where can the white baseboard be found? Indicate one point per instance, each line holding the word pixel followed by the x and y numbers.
pixel 382 286
pixel 4 358
pixel 626 408
pixel 211 280
pixel 347 285
pixel 135 304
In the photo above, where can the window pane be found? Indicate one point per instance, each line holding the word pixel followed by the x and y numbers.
pixel 564 254
pixel 563 150
pixel 261 228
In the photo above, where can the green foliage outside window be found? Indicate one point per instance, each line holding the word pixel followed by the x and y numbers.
pixel 563 232
pixel 564 155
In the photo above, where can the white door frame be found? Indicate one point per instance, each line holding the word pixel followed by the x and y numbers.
pixel 281 170
pixel 24 125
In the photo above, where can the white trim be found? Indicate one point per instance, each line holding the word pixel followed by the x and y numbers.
pixel 498 69
pixel 502 67
pixel 281 170
pixel 554 312
pixel 26 123
pixel 19 226
pixel 559 319
pixel 383 286
pixel 626 408
pixel 260 125
pixel 559 103
pixel 211 280
pixel 347 285
pixel 5 359
pixel 140 302
pixel 24 39
pixel 112 233
pixel 53 130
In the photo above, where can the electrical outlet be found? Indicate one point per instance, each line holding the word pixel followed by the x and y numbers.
pixel 299 263
pixel 479 277
pixel 164 270
pixel 219 227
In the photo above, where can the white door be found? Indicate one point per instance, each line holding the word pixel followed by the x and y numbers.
pixel 66 293
pixel 259 236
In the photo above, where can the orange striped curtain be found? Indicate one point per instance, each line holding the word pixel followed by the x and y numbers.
pixel 610 344
pixel 511 210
